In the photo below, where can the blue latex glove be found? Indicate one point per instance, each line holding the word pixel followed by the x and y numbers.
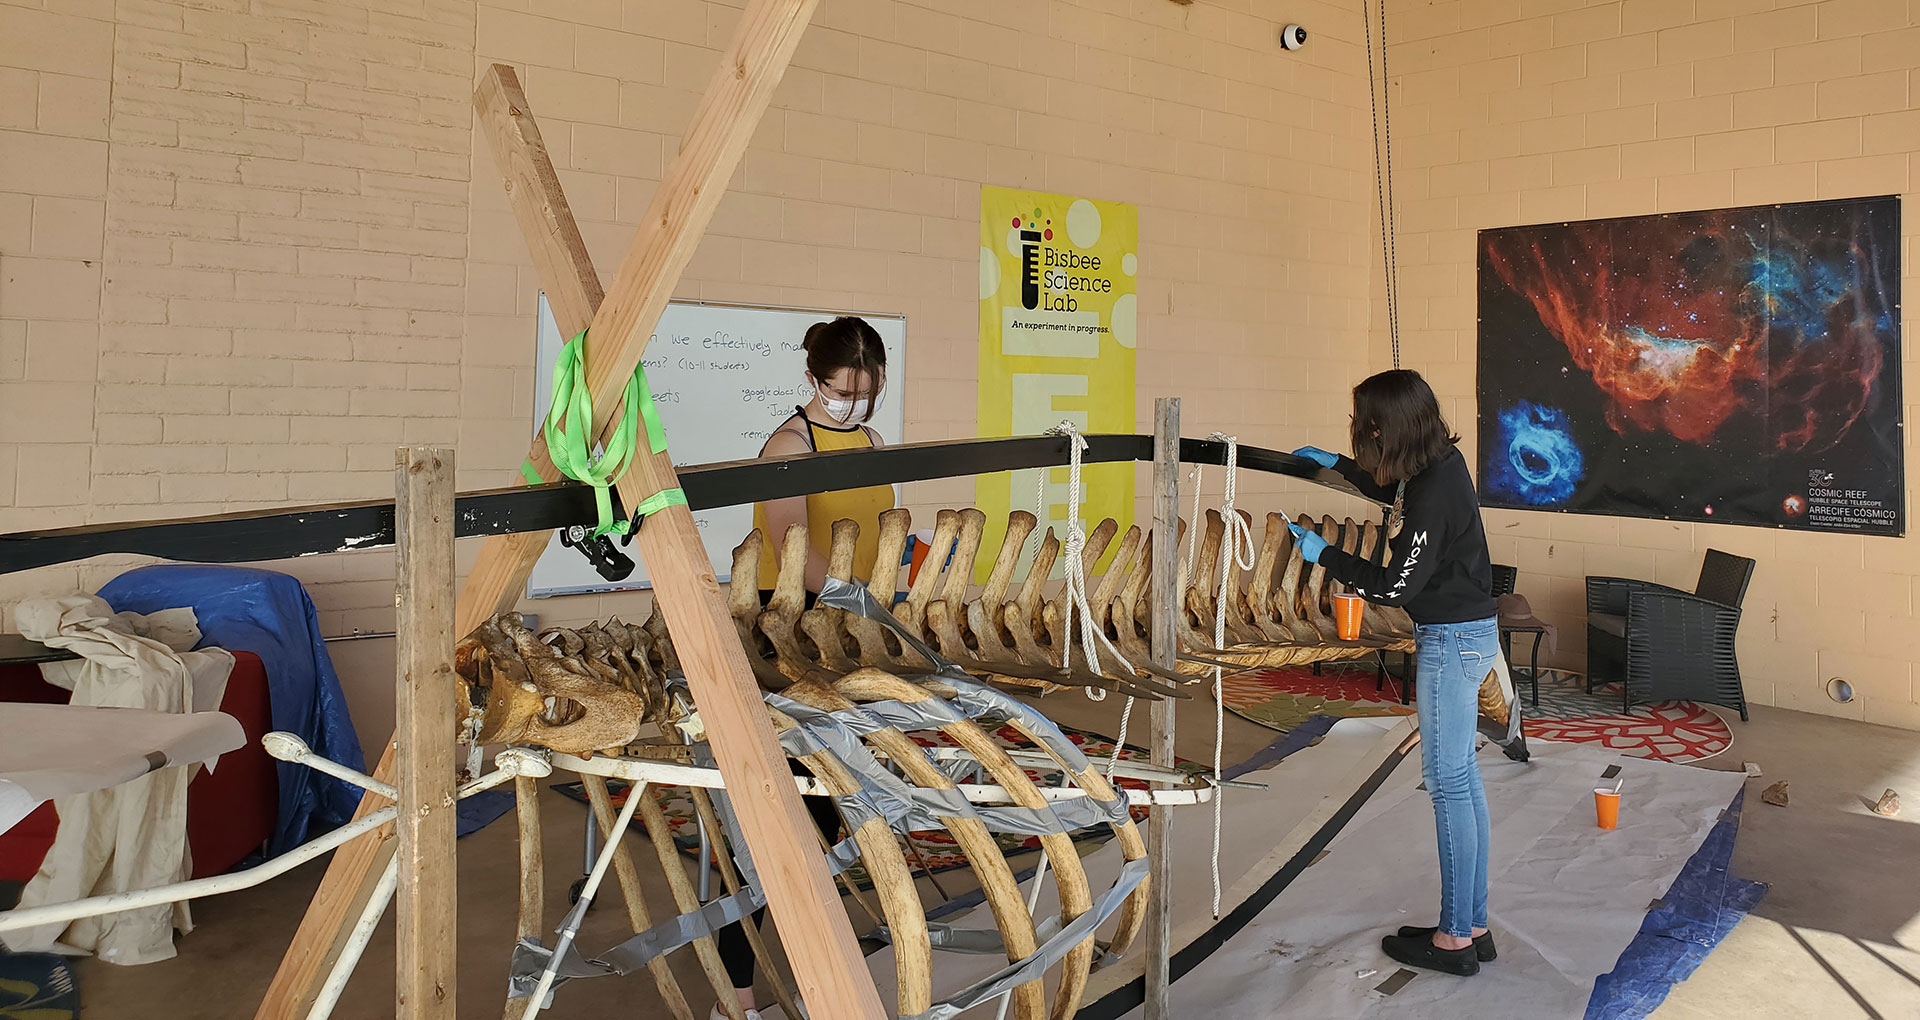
pixel 1310 543
pixel 1318 456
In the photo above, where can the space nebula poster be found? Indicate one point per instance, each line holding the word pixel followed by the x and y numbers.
pixel 1738 366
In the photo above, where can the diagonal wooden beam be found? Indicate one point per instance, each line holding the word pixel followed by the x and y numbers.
pixel 821 945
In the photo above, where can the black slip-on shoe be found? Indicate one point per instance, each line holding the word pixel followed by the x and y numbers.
pixel 1483 949
pixel 1422 953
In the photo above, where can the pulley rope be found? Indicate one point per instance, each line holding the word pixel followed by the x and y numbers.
pixel 1236 549
pixel 1091 637
pixel 1380 102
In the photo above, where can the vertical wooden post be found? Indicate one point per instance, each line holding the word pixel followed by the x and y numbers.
pixel 1166 529
pixel 424 738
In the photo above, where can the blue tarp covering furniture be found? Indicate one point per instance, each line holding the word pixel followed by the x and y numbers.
pixel 269 614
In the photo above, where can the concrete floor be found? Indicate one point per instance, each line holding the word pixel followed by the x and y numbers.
pixel 1838 937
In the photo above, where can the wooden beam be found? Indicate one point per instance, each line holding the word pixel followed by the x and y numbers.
pixel 822 948
pixel 825 960
pixel 1166 525
pixel 820 942
pixel 424 698
pixel 539 205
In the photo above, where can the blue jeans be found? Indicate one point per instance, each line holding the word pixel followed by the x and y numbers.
pixel 1452 659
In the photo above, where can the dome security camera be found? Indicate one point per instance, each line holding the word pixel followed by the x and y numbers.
pixel 1293 37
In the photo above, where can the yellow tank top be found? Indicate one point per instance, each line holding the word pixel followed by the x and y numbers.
pixel 862 506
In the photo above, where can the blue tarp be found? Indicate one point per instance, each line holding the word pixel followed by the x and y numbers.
pixel 269 614
pixel 1703 905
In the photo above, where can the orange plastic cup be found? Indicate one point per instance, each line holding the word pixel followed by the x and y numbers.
pixel 1347 610
pixel 1606 806
pixel 922 547
pixel 919 554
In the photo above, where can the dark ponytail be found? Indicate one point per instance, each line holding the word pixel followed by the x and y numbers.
pixel 847 342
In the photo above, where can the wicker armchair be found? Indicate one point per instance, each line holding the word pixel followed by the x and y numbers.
pixel 1664 644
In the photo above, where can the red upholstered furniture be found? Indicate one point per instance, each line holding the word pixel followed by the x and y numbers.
pixel 230 811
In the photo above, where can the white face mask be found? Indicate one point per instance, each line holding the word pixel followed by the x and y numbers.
pixel 842 411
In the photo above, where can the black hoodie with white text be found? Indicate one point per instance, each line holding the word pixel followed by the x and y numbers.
pixel 1437 566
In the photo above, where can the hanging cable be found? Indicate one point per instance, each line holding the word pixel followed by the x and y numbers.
pixel 1380 103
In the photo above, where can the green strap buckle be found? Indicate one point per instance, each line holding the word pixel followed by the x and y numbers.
pixel 568 431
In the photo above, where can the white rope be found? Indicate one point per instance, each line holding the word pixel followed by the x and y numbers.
pixel 1091 638
pixel 1237 548
pixel 1193 534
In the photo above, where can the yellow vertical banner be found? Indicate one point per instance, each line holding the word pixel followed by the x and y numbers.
pixel 1057 331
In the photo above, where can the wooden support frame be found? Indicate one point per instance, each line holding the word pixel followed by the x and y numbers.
pixel 1166 524
pixel 820 940
pixel 425 916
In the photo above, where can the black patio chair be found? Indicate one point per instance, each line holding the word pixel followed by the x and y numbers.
pixel 1664 644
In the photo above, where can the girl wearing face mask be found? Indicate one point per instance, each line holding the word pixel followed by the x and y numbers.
pixel 846 369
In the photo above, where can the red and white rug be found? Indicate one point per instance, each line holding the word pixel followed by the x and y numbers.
pixel 1674 731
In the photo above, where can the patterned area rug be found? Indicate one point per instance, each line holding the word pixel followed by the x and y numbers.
pixel 1675 731
pixel 935 848
pixel 1281 699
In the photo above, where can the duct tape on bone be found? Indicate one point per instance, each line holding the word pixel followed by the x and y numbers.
pixel 530 958
pixel 1052 951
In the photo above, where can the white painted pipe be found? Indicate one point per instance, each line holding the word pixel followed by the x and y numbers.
pixel 356 943
pixel 571 925
pixel 981 793
pixel 289 748
pixel 664 773
pixel 511 762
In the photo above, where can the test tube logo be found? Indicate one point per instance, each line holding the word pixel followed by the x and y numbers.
pixel 1030 269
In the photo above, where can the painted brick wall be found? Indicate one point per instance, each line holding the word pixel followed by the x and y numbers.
pixel 249 246
pixel 56 71
pixel 1527 111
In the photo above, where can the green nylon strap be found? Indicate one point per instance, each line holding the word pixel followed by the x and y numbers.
pixel 675 496
pixel 570 420
pixel 531 476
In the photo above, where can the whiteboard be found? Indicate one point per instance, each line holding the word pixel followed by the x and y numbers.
pixel 723 378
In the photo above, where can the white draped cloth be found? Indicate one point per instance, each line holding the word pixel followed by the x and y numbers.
pixel 133 835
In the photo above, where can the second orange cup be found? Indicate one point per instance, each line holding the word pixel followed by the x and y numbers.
pixel 1606 806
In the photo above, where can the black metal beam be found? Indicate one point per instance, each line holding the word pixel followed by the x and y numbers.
pixel 17 651
pixel 288 532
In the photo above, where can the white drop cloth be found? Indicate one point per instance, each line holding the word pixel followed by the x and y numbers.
pixel 133 835
pixel 1565 897
pixel 49 751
